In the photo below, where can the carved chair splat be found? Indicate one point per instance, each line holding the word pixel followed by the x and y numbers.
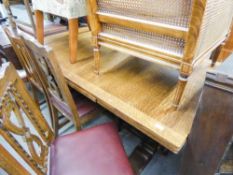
pixel 79 111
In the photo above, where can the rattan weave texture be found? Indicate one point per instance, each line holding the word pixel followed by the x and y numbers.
pixel 173 12
pixel 150 40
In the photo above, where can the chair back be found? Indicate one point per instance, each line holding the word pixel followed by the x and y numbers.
pixel 22 125
pixel 30 27
pixel 167 31
pixel 28 63
pixel 23 55
pixel 52 77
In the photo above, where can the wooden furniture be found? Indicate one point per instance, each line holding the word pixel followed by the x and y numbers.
pixel 34 142
pixel 30 28
pixel 227 49
pixel 9 164
pixel 70 9
pixel 212 130
pixel 86 108
pixel 133 89
pixel 79 111
pixel 175 33
pixel 6 50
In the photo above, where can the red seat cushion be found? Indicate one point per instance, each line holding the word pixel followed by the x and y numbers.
pixel 94 151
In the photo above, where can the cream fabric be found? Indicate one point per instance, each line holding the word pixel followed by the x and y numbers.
pixel 64 8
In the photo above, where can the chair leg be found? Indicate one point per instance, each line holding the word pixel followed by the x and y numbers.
pixel 88 22
pixel 97 59
pixel 180 90
pixel 39 26
pixel 73 37
pixel 215 54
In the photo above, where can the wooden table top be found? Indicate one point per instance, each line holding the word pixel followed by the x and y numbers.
pixel 137 91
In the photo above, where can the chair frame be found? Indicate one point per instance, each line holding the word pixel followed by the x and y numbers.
pixel 46 55
pixel 27 61
pixel 27 135
pixel 185 64
pixel 15 98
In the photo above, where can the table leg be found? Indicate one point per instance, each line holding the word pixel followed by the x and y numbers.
pixel 39 26
pixel 73 37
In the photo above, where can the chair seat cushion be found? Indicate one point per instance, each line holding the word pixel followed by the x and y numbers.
pixel 94 151
pixel 64 8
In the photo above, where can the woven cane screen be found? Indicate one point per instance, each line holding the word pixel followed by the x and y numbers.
pixel 150 40
pixel 216 24
pixel 173 12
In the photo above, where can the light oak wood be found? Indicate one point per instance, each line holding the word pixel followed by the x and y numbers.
pixel 73 35
pixel 227 48
pixel 115 28
pixel 135 90
pixel 9 164
pixel 15 99
pixel 39 26
pixel 60 97
pixel 143 25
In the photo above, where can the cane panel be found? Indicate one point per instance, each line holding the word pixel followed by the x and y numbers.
pixel 175 12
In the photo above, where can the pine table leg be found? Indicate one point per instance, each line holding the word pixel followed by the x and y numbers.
pixel 39 26
pixel 73 37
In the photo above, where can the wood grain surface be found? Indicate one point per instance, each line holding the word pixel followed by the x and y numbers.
pixel 135 90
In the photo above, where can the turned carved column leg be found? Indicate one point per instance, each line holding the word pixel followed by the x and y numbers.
pixel 39 26
pixel 183 79
pixel 73 39
pixel 97 59
pixel 96 55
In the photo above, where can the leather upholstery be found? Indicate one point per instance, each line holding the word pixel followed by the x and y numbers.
pixel 94 151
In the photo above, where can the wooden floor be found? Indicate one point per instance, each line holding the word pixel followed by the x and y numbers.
pixel 137 91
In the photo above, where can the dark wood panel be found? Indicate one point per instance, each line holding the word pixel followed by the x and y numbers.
pixel 213 126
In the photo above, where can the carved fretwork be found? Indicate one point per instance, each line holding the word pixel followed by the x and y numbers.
pixel 54 88
pixel 12 105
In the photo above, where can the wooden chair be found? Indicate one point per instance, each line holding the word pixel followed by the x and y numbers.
pixel 32 76
pixel 30 28
pixel 69 9
pixel 81 110
pixel 178 33
pixel 26 131
pixel 86 110
pixel 25 60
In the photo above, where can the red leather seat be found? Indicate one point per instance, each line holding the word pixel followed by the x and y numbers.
pixel 94 151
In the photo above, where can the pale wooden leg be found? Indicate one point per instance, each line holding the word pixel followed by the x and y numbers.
pixel 88 22
pixel 97 59
pixel 180 90
pixel 73 37
pixel 39 26
pixel 96 54
pixel 216 53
